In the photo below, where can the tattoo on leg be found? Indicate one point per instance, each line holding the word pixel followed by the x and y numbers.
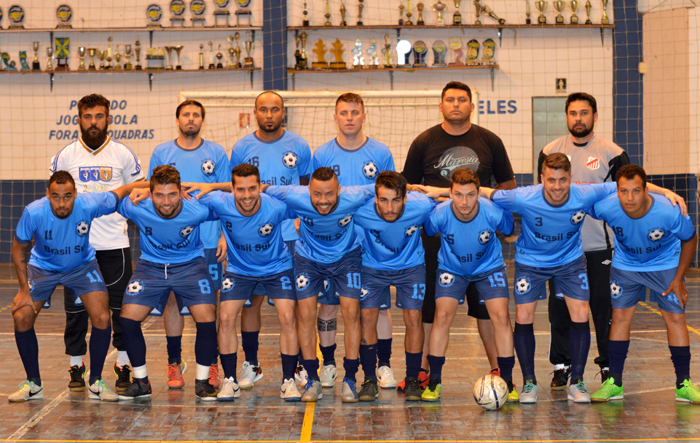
pixel 327 325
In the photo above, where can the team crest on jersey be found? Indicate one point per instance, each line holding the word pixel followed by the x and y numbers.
pixel 410 230
pixel 290 159
pixel 484 237
pixel 184 232
pixel 343 222
pixel 656 234
pixel 577 217
pixel 522 285
pixel 302 281
pixel 95 173
pixel 446 279
pixel 265 229
pixel 364 292
pixel 615 290
pixel 208 167
pixel 135 287
pixel 227 284
pixel 593 163
pixel 370 170
pixel 82 228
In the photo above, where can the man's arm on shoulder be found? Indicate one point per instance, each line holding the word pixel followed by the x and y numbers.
pixel 676 200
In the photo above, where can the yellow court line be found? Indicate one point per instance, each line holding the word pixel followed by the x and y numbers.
pixel 367 441
pixel 656 311
pixel 308 424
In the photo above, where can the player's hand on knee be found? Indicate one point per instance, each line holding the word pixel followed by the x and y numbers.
pixel 22 299
pixel 678 287
pixel 138 195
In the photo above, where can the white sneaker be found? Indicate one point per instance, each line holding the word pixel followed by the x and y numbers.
pixel 578 393
pixel 301 376
pixel 27 390
pixel 100 391
pixel 249 375
pixel 386 378
pixel 529 392
pixel 229 390
pixel 328 375
pixel 289 391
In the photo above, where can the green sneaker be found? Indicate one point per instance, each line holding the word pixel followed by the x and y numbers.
pixel 432 392
pixel 689 393
pixel 609 391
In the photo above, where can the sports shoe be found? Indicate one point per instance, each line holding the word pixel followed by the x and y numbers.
pixel 529 392
pixel 123 375
pixel 249 375
pixel 301 376
pixel 27 390
pixel 432 392
pixel 560 379
pixel 413 391
pixel 328 375
pixel 369 391
pixel 205 391
pixel 100 391
pixel 496 372
pixel 229 390
pixel 214 377
pixel 423 379
pixel 608 391
pixel 689 393
pixel 77 378
pixel 312 391
pixel 578 392
pixel 175 371
pixel 289 391
pixel 604 374
pixel 386 377
pixel 136 390
pixel 513 396
pixel 349 394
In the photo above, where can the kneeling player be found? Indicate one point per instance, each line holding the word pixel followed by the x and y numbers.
pixel 172 259
pixel 62 255
pixel 654 245
pixel 470 253
pixel 393 255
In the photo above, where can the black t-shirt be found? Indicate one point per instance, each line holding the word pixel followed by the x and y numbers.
pixel 435 154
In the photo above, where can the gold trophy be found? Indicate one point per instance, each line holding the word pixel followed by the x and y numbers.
pixel 559 5
pixel 35 63
pixel 137 50
pixel 102 55
pixel 541 6
pixel 201 56
pixel 342 15
pixel 178 49
pixel 573 4
pixel 588 12
pixel 249 46
pixel 439 7
pixel 337 52
pixel 49 56
pixel 420 7
pixel 306 16
pixel 169 52
pixel 91 53
pixel 127 55
pixel 477 7
pixel 401 8
pixel 81 53
pixel 605 20
pixel 328 14
pixel 387 52
pixel 117 58
pixel 486 10
pixel 408 14
pixel 359 15
pixel 457 17
pixel 237 49
pixel 527 12
pixel 320 52
pixel 230 56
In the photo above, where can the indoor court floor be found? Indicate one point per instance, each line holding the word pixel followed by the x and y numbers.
pixel 648 413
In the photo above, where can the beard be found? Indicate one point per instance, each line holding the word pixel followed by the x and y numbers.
pixel 96 140
pixel 273 129
pixel 192 133
pixel 580 133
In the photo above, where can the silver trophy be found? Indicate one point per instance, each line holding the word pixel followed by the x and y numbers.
pixel 49 56
pixel 137 50
pixel 178 49
pixel 127 55
pixel 249 46
pixel 81 53
pixel 169 52
pixel 358 60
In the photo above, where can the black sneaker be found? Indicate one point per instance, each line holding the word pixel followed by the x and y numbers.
pixel 413 391
pixel 123 378
pixel 205 391
pixel 560 380
pixel 604 374
pixel 77 378
pixel 136 390
pixel 369 391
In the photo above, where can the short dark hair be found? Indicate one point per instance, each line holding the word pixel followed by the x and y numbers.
pixel 350 97
pixel 582 96
pixel 165 175
pixel 464 176
pixel 92 100
pixel 391 180
pixel 456 85
pixel 323 174
pixel 631 171
pixel 557 161
pixel 188 103
pixel 268 92
pixel 61 178
pixel 244 170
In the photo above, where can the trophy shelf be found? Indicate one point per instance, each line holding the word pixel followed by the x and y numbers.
pixel 133 71
pixel 133 29
pixel 488 26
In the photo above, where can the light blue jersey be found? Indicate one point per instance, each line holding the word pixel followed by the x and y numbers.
pixel 255 245
pixel 397 245
pixel 470 248
pixel 283 162
pixel 649 243
pixel 168 240
pixel 61 244
pixel 551 235
pixel 358 167
pixel 207 163
pixel 324 238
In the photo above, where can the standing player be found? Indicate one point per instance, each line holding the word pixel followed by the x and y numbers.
pixel 356 159
pixel 431 160
pixel 172 259
pixel 199 161
pixel 392 255
pixel 655 246
pixel 99 163
pixel 283 158
pixel 62 255
pixel 593 160
pixel 469 253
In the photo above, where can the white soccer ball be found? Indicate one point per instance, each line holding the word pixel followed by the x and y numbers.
pixel 82 228
pixel 491 392
pixel 265 230
pixel 446 278
pixel 134 287
pixel 290 160
pixel 226 284
pixel 184 232
pixel 578 217
pixel 656 234
pixel 369 169
pixel 344 221
pixel 208 167
pixel 484 237
pixel 615 289
pixel 411 229
pixel 522 285
pixel 302 281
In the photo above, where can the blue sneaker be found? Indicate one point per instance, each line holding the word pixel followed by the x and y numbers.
pixel 312 391
pixel 349 392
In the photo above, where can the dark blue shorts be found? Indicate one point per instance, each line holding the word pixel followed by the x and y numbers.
pixel 215 268
pixel 627 288
pixel 490 284
pixel 240 287
pixel 571 280
pixel 260 289
pixel 80 280
pixel 151 284
pixel 343 276
pixel 409 284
